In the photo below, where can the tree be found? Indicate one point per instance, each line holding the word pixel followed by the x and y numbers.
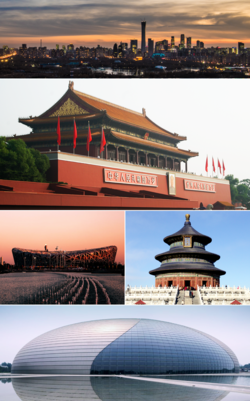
pixel 240 190
pixel 18 162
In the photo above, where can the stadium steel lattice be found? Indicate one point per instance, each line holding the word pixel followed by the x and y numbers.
pixel 88 257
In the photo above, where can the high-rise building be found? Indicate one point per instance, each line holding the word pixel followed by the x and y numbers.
pixel 57 47
pixel 133 45
pixel 1 260
pixel 172 41
pixel 198 44
pixel 189 43
pixel 202 45
pixel 115 50
pixel 143 36
pixel 70 47
pixel 240 48
pixel 150 47
pixel 182 41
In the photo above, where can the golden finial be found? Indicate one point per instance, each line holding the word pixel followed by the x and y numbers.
pixel 187 217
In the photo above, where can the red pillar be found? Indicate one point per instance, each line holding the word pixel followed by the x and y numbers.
pixel 127 158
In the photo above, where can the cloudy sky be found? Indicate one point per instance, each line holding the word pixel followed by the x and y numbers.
pixel 211 113
pixel 224 22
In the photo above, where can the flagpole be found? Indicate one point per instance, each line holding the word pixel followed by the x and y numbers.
pixel 73 135
pixel 58 124
pixel 88 137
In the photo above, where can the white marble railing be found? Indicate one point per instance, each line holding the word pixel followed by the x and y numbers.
pixel 224 295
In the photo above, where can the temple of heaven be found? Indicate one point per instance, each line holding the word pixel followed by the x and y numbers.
pixel 187 263
pixel 124 346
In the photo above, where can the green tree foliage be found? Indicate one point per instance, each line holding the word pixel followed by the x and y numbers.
pixel 240 190
pixel 18 162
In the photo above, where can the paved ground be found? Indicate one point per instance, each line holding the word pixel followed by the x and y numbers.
pixel 210 386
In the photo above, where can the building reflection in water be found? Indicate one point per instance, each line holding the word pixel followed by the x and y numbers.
pixel 90 388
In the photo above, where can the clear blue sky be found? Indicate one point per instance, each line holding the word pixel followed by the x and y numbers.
pixel 229 231
pixel 21 324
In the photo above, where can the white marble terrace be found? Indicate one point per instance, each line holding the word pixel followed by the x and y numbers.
pixel 224 295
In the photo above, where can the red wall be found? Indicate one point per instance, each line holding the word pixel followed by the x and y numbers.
pixel 194 281
pixel 79 174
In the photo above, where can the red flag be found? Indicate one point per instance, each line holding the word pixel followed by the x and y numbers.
pixel 219 165
pixel 58 132
pixel 223 166
pixel 213 165
pixel 74 135
pixel 89 139
pixel 206 165
pixel 103 142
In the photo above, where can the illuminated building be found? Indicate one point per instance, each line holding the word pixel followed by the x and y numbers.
pixel 143 36
pixel 182 41
pixel 70 47
pixel 46 258
pixel 189 43
pixel 150 47
pixel 240 48
pixel 133 45
pixel 140 160
pixel 124 346
pixel 172 42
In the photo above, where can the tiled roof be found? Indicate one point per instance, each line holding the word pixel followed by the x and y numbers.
pixel 125 115
pixel 145 142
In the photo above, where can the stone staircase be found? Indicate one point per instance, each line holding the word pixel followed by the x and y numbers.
pixel 184 296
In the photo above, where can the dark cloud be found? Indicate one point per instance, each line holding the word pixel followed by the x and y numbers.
pixel 117 17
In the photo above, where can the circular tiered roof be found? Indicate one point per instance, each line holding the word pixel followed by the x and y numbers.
pixel 190 256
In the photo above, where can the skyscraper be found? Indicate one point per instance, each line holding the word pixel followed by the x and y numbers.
pixel 182 41
pixel 150 47
pixel 143 36
pixel 172 41
pixel 133 45
pixel 240 48
pixel 189 43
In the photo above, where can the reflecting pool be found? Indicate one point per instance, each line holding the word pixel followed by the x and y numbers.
pixel 90 388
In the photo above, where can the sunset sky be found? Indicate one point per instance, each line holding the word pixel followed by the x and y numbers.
pixel 69 230
pixel 83 22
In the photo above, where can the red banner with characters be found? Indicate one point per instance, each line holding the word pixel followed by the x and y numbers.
pixel 130 178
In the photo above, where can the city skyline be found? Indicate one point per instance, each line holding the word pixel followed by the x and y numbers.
pixel 83 23
pixel 85 230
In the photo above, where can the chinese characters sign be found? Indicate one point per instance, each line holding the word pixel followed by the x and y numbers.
pixel 127 177
pixel 191 185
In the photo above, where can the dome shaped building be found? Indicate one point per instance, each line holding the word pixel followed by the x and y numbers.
pixel 187 263
pixel 124 346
